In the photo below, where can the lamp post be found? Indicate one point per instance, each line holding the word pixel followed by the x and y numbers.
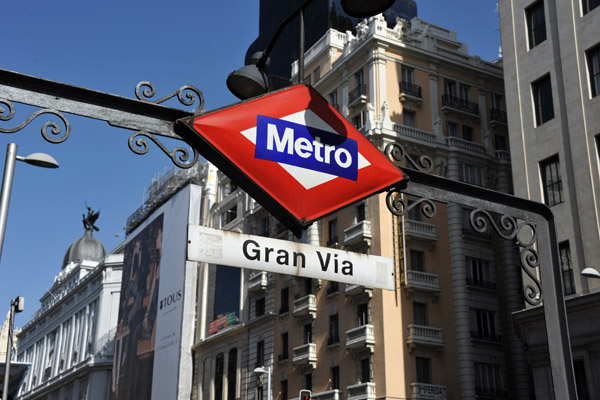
pixel 262 370
pixel 37 159
pixel 16 306
pixel 251 80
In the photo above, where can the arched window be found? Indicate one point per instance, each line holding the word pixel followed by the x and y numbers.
pixel 232 374
pixel 219 365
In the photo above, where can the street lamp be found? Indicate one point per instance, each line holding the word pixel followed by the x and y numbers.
pixel 590 272
pixel 16 306
pixel 251 80
pixel 262 370
pixel 37 159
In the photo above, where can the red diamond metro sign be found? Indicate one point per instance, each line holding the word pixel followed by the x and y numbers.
pixel 293 153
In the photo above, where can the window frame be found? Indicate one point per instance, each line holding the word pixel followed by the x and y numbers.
pixel 552 190
pixel 566 267
pixel 592 56
pixel 535 16
pixel 543 100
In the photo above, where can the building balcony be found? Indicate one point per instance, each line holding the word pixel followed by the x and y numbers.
pixel 465 145
pixel 422 282
pixel 481 284
pixel 427 337
pixel 358 95
pixel 305 307
pixel 360 338
pixel 487 337
pixel 362 391
pixel 422 391
pixel 498 118
pixel 305 355
pixel 258 281
pixel 459 106
pixel 335 394
pixel 420 230
pixel 410 95
pixel 357 291
pixel 413 133
pixel 358 235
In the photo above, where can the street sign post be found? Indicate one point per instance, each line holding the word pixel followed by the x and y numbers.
pixel 293 153
pixel 216 246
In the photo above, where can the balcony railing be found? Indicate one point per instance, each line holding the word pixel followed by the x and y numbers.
pixel 481 283
pixel 362 391
pixel 465 144
pixel 305 306
pixel 358 233
pixel 419 391
pixel 360 337
pixel 414 133
pixel 498 116
pixel 460 104
pixel 423 282
pixel 420 229
pixel 305 355
pixel 419 335
pixel 258 281
pixel 355 291
pixel 410 89
pixel 335 394
pixel 357 93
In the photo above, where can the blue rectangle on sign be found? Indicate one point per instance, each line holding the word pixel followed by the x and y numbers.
pixel 306 147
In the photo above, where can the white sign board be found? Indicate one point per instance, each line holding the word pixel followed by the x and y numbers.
pixel 281 256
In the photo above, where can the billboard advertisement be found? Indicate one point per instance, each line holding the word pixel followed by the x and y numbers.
pixel 153 339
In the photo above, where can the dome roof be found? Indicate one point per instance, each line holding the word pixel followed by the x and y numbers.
pixel 86 247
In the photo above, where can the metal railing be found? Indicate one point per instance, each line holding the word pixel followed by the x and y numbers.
pixel 460 104
pixel 360 90
pixel 410 89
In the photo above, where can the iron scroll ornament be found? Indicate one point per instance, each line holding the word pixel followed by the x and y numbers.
pixel 187 95
pixel 180 156
pixel 51 130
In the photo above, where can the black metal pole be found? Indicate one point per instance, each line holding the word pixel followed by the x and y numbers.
pixel 301 49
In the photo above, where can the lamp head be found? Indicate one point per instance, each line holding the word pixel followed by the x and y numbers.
pixel 260 370
pixel 590 273
pixel 250 80
pixel 364 9
pixel 40 160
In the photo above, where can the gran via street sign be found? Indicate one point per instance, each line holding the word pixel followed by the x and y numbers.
pixel 293 153
pixel 216 246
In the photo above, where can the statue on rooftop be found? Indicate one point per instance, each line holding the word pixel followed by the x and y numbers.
pixel 90 219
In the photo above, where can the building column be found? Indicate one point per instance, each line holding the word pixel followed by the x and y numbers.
pixel 436 119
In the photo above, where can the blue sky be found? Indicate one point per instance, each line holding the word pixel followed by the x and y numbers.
pixel 110 46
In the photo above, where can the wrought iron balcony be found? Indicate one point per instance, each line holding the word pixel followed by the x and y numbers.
pixel 410 94
pixel 498 117
pixel 305 306
pixel 453 103
pixel 357 95
pixel 357 291
pixel 361 337
pixel 305 355
pixel 422 282
pixel 258 282
pixel 335 394
pixel 358 235
pixel 424 336
pixel 421 230
pixel 362 391
pixel 427 391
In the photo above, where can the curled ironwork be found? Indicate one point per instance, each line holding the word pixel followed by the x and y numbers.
pixel 397 205
pixel 510 229
pixel 396 153
pixel 187 95
pixel 180 156
pixel 51 130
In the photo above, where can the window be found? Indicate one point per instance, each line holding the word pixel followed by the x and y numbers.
pixel 259 307
pixel 307 334
pixel 333 287
pixel 308 286
pixel 580 380
pixel 465 92
pixel 552 184
pixel 497 101
pixel 593 59
pixel 335 377
pixel 414 213
pixel 409 118
pixel 536 24
pixel 334 335
pixel 452 129
pixel 589 5
pixel 417 261
pixel 232 375
pixel 480 273
pixel 471 174
pixel 467 132
pixel 358 121
pixel 229 215
pixel 308 384
pixel 365 370
pixel 423 370
pixel 260 353
pixel 284 390
pixel 542 100
pixel 408 74
pixel 284 347
pixel 484 325
pixel 566 267
pixel 420 314
pixel 362 314
pixel 219 369
pixel 361 212
pixel 333 99
pixel 285 302
pixel 359 78
pixel 333 233
pixel 449 87
pixel 317 74
pixel 264 226
pixel 487 380
pixel 500 142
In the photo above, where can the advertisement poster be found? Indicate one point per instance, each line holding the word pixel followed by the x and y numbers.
pixel 156 308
